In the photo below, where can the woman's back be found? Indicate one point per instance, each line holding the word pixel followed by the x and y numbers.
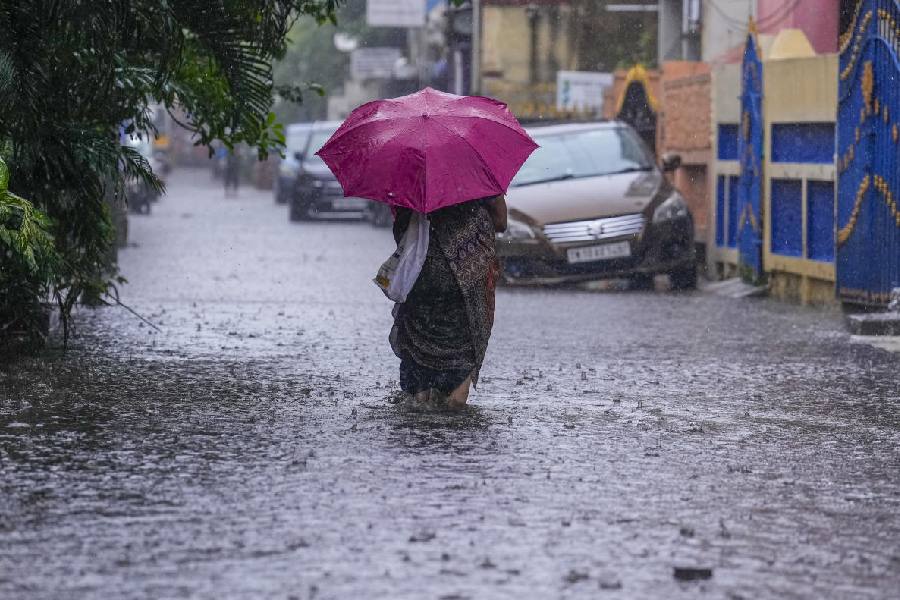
pixel 445 323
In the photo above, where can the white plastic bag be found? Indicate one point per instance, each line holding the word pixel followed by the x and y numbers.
pixel 398 274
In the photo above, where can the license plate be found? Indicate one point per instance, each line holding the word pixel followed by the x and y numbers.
pixel 349 203
pixel 602 252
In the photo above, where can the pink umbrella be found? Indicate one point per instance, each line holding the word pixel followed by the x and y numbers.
pixel 427 150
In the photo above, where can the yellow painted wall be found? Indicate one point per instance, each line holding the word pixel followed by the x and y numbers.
pixel 725 88
pixel 798 90
pixel 801 89
pixel 505 62
pixel 506 43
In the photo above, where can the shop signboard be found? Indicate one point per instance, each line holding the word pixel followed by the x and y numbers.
pixel 581 91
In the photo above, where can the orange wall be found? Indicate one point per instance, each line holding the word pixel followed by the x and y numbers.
pixel 683 127
pixel 684 123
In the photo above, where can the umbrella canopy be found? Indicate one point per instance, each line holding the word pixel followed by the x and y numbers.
pixel 427 150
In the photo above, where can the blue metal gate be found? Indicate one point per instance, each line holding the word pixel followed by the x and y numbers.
pixel 868 160
pixel 750 154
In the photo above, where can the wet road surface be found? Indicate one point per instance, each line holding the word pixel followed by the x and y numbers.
pixel 253 448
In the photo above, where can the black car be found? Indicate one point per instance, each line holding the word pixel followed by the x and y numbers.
pixel 316 192
pixel 297 135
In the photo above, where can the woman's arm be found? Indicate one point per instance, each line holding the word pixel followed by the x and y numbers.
pixel 497 208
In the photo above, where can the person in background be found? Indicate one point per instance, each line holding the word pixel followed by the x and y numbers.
pixel 232 174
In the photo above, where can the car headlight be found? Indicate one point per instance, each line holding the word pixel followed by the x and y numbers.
pixel 517 230
pixel 674 207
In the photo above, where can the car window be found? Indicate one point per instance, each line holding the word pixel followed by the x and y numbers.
pixel 317 139
pixel 586 153
pixel 296 140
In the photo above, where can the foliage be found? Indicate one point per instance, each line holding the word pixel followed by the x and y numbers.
pixel 77 75
pixel 312 57
pixel 28 263
pixel 608 40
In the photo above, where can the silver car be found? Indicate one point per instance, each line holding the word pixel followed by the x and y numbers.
pixel 591 203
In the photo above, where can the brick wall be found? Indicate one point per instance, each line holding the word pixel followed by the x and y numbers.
pixel 691 181
pixel 684 123
pixel 684 128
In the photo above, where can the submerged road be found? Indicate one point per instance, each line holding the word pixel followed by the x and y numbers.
pixel 622 444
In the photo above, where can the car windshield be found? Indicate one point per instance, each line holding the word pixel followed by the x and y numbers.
pixel 317 139
pixel 585 153
pixel 296 140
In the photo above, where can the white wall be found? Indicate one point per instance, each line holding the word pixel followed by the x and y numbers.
pixel 670 12
pixel 724 25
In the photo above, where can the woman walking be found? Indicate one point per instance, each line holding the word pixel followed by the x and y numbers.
pixel 441 332
pixel 443 162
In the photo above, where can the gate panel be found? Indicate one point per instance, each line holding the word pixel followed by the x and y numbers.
pixel 750 154
pixel 868 147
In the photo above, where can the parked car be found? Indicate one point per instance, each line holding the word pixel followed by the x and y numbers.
pixel 296 135
pixel 316 191
pixel 379 214
pixel 591 203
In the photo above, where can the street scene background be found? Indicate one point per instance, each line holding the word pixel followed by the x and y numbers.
pixel 254 447
pixel 715 418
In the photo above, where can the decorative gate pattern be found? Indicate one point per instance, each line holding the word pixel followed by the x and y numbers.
pixel 868 161
pixel 750 154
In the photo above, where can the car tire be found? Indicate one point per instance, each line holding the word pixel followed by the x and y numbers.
pixel 295 213
pixel 684 279
pixel 300 212
pixel 642 282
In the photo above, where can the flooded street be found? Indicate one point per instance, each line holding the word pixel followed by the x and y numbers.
pixel 620 443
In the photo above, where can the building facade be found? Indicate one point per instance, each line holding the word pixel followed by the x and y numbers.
pixel 714 30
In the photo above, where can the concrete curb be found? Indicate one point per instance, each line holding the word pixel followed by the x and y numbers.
pixel 891 343
pixel 887 324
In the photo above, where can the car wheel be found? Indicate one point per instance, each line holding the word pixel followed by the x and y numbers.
pixel 302 212
pixel 684 279
pixel 642 281
pixel 296 213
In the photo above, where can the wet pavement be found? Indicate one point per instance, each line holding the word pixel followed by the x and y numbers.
pixel 622 444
